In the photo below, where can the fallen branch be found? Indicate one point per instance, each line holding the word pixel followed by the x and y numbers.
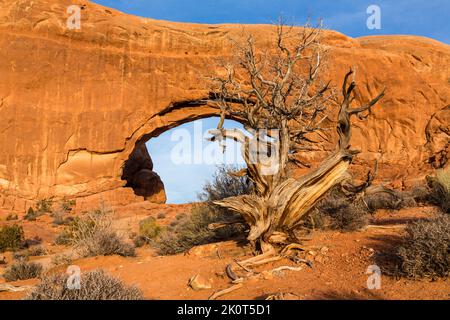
pixel 282 268
pixel 395 226
pixel 220 293
pixel 10 288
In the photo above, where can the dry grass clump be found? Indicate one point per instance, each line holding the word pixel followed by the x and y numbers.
pixel 11 237
pixel 94 235
pixel 22 270
pixel 94 285
pixel 36 251
pixel 61 260
pixel 426 251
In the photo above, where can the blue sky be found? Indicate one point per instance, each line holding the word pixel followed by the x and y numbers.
pixel 418 17
pixel 183 181
pixel 185 160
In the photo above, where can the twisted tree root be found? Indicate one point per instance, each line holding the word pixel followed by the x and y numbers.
pixel 220 293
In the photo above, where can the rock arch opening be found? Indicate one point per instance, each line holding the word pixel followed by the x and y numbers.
pixel 173 165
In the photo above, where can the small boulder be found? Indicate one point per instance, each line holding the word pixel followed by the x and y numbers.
pixel 198 282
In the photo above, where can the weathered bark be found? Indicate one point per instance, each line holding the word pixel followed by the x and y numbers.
pixel 280 203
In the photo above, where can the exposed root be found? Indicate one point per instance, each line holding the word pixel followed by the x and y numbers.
pixel 297 260
pixel 242 266
pixel 230 273
pixel 282 268
pixel 220 293
pixel 283 296
pixel 264 261
pixel 293 246
pixel 253 260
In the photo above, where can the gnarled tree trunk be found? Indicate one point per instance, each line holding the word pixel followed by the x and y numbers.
pixel 279 203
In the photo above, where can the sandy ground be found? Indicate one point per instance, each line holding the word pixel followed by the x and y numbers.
pixel 340 262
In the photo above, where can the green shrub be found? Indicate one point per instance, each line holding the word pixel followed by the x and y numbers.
pixel 149 229
pixel 193 230
pixel 11 237
pixel 31 214
pixel 22 270
pixel 426 251
pixel 94 285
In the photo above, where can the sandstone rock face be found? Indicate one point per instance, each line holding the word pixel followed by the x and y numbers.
pixel 74 104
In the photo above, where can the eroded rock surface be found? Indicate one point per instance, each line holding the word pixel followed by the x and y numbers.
pixel 75 103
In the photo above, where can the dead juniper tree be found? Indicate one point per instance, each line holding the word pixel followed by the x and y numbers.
pixel 281 98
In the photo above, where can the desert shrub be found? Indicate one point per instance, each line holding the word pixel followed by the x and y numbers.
pixel 95 285
pixel 187 231
pixel 161 215
pixel 336 212
pixel 392 200
pixel 94 235
pixel 12 216
pixel 64 238
pixel 36 251
pixel 224 185
pixel 107 243
pixel 31 214
pixel 11 237
pixel 61 259
pixel 22 270
pixel 67 205
pixel 20 255
pixel 193 230
pixel 61 217
pixel 148 230
pixel 32 242
pixel 44 206
pixel 426 251
pixel 440 189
